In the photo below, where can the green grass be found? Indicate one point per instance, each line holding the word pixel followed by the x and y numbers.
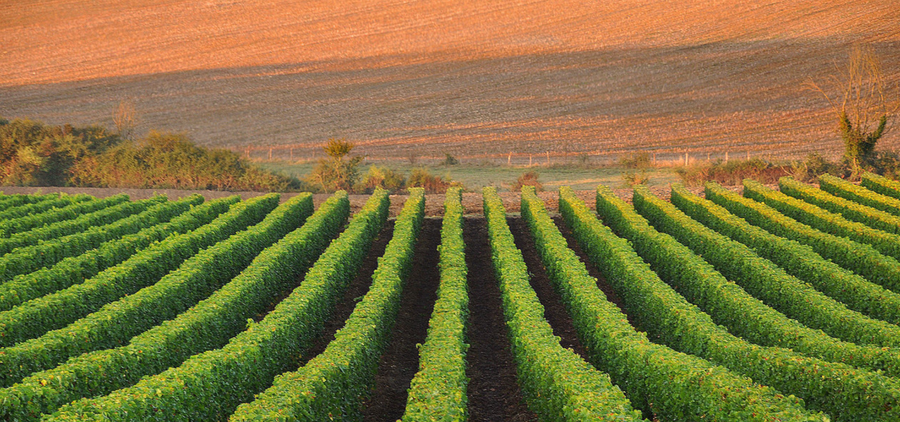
pixel 477 176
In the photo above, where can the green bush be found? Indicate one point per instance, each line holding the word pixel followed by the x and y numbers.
pixel 46 254
pixel 61 308
pixel 34 154
pixel 824 220
pixel 858 257
pixel 380 177
pixel 557 383
pixel 732 172
pixel 99 212
pixel 796 259
pixel 334 383
pixel 814 166
pixel 421 178
pixel 195 279
pixel 859 194
pixel 765 280
pixel 851 210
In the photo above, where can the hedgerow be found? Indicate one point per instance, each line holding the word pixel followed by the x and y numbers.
pixel 824 220
pixel 119 321
pixel 558 384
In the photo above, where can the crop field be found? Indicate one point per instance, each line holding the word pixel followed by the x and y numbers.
pixel 483 80
pixel 778 304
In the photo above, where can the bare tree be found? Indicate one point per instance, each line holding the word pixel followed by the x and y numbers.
pixel 125 119
pixel 864 103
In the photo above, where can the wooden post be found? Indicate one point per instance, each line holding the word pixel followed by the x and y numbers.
pixel 685 159
pixel 530 157
pixel 548 158
pixel 748 155
pixel 654 159
pixel 508 158
pixel 726 156
pixel 707 156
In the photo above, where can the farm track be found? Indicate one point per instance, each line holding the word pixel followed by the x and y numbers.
pixel 400 361
pixel 493 392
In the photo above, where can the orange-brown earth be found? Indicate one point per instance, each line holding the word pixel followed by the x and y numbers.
pixel 475 79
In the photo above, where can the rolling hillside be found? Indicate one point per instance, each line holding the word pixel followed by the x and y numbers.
pixel 418 78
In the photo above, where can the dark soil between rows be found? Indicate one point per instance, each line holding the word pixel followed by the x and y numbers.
pixel 604 286
pixel 354 293
pixel 400 361
pixel 493 394
pixel 554 311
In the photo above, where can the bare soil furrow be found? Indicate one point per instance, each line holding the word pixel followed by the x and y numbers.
pixel 355 292
pixel 554 311
pixel 400 361
pixel 494 394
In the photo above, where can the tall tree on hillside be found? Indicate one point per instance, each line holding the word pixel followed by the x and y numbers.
pixel 864 104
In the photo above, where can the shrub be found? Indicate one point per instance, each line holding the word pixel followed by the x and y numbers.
pixel 529 178
pixel 733 172
pixel 380 177
pixel 639 160
pixel 814 166
pixel 421 178
pixel 449 160
pixel 335 173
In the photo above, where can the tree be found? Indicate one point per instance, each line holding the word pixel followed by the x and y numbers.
pixel 335 172
pixel 862 104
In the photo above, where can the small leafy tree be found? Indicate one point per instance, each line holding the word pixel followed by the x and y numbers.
pixel 862 105
pixel 335 172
